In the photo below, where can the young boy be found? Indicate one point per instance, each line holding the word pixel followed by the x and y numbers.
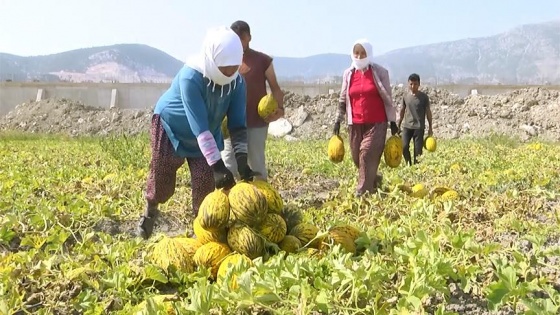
pixel 415 108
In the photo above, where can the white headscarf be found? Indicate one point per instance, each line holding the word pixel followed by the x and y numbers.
pixel 221 48
pixel 361 64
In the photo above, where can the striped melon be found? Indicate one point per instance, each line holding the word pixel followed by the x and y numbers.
pixel 205 236
pixel 210 255
pixel 189 244
pixel 393 151
pixel 244 240
pixel 292 216
pixel 290 244
pixel 169 252
pixel 214 211
pixel 341 237
pixel 247 204
pixel 305 232
pixel 237 262
pixel 352 232
pixel 273 228
pixel 273 198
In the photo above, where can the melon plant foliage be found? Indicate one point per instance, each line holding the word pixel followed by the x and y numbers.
pixel 473 228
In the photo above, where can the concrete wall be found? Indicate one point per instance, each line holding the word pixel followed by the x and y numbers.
pixel 145 95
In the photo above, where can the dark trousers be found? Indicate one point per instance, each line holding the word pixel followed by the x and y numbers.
pixel 417 135
pixel 366 145
pixel 163 171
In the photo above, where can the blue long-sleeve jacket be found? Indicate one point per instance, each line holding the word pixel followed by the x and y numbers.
pixel 193 104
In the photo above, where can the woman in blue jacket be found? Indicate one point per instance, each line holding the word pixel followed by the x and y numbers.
pixel 186 125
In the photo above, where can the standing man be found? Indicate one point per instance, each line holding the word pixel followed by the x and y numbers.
pixel 256 69
pixel 415 108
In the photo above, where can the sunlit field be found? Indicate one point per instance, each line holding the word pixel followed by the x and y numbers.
pixel 69 208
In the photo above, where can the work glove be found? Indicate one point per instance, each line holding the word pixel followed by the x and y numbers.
pixel 394 128
pixel 245 172
pixel 223 178
pixel 336 129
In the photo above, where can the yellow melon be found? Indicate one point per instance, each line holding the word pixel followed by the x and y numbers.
pixel 244 240
pixel 205 236
pixel 419 191
pixel 290 244
pixel 352 231
pixel 210 255
pixel 169 252
pixel 237 262
pixel 392 153
pixel 430 143
pixel 449 195
pixel 273 198
pixel 342 238
pixel 267 105
pixel 335 149
pixel 273 228
pixel 189 244
pixel 214 211
pixel 305 232
pixel 247 204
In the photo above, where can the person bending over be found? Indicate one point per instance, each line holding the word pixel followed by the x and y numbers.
pixel 186 125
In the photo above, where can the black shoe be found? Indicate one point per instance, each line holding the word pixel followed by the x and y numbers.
pixel 379 181
pixel 146 224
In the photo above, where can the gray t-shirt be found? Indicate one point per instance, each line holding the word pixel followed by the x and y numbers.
pixel 415 107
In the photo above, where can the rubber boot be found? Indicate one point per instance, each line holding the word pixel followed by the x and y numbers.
pixel 147 221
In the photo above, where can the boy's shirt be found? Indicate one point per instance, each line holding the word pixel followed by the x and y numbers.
pixel 415 107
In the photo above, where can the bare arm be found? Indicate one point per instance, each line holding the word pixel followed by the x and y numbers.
pixel 276 93
pixel 401 113
pixel 429 117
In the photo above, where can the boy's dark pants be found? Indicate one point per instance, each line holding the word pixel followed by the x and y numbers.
pixel 412 134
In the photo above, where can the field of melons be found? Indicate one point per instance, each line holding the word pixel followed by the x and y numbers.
pixel 68 208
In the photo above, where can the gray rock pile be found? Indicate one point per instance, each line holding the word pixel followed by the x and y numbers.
pixel 63 116
pixel 527 113
pixel 530 112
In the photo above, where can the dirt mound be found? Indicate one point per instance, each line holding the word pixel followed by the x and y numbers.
pixel 74 118
pixel 525 113
pixel 530 112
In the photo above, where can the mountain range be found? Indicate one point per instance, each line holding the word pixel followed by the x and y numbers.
pixel 527 54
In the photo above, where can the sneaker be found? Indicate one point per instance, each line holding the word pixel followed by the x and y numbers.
pixel 146 223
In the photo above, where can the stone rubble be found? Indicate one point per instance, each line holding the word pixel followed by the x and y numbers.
pixel 526 113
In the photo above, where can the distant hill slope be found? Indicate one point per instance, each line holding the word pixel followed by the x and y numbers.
pixel 528 54
pixel 123 62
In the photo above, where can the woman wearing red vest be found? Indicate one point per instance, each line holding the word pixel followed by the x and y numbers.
pixel 367 102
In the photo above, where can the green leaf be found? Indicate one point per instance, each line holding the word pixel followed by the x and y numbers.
pixel 414 301
pixel 496 294
pixel 322 301
pixel 154 273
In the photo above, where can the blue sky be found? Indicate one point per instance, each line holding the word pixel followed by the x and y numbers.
pixel 288 28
